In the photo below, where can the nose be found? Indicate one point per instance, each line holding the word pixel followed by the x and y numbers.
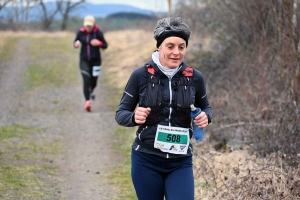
pixel 176 51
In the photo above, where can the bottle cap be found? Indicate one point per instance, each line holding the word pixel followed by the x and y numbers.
pixel 193 108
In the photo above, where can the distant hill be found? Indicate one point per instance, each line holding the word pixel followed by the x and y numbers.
pixel 126 15
pixel 97 10
pixel 103 10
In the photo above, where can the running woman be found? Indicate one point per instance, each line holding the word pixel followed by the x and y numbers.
pixel 90 39
pixel 157 99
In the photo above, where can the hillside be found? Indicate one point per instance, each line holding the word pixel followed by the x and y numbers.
pixel 98 10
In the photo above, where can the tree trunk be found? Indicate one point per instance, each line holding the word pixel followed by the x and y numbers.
pixel 65 11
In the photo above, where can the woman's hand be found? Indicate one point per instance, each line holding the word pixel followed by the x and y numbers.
pixel 95 42
pixel 76 44
pixel 201 120
pixel 141 114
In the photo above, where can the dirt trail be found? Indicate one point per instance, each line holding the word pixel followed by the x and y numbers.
pixel 10 85
pixel 86 136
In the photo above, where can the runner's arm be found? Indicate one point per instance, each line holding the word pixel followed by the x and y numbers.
pixel 77 38
pixel 201 99
pixel 103 43
pixel 125 112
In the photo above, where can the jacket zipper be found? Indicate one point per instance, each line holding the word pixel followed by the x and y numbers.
pixel 170 89
pixel 88 47
pixel 139 136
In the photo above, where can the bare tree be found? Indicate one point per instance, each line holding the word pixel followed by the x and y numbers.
pixel 3 3
pixel 21 10
pixel 28 5
pixel 66 9
pixel 18 12
pixel 48 16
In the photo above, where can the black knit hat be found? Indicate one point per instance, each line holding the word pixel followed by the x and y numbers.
pixel 171 33
pixel 171 26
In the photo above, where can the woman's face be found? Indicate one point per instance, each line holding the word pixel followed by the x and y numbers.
pixel 88 28
pixel 172 51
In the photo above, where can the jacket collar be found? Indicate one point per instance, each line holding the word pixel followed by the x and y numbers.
pixel 95 28
pixel 160 73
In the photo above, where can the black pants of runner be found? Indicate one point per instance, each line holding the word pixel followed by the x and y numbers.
pixel 89 81
pixel 157 178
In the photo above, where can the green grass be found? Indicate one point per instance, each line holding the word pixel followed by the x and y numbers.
pixel 7 47
pixel 120 175
pixel 24 163
pixel 19 182
pixel 54 62
pixel 14 131
pixel 45 75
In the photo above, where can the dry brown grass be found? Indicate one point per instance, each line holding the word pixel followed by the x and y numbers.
pixel 239 175
pixel 36 34
pixel 128 49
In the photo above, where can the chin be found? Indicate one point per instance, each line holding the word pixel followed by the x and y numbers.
pixel 173 66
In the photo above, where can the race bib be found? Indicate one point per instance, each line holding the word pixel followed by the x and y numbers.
pixel 172 139
pixel 96 70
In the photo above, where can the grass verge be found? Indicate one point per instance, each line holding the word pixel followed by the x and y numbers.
pixel 120 175
pixel 7 47
pixel 25 162
pixel 54 61
pixel 127 51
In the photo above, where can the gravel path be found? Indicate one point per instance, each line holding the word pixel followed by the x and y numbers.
pixel 86 136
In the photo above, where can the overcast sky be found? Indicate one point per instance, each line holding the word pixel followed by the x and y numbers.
pixel 154 5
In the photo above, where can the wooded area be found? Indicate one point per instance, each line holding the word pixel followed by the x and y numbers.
pixel 19 18
pixel 61 15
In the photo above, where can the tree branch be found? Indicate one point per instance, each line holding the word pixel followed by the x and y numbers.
pixel 242 124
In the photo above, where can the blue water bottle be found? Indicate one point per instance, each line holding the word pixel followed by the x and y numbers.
pixel 198 132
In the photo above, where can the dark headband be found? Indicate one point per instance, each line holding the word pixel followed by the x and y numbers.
pixel 170 33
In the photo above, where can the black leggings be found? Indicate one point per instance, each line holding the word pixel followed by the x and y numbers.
pixel 157 178
pixel 89 81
